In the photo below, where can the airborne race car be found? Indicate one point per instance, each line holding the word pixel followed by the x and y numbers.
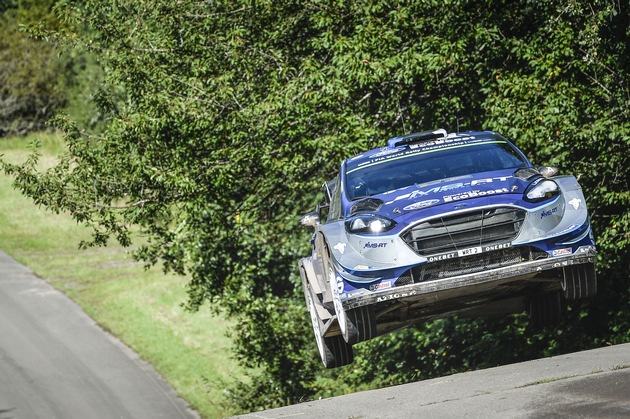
pixel 438 224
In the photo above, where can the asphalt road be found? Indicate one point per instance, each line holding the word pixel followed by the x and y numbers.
pixel 56 363
pixel 590 384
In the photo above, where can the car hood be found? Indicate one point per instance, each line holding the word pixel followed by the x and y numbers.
pixel 402 201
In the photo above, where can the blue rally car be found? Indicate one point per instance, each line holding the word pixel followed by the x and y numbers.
pixel 435 225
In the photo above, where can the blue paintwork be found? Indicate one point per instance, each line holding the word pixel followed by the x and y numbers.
pixel 368 262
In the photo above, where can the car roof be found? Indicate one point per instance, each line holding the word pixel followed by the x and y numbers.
pixel 421 141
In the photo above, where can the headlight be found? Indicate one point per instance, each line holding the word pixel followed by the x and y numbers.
pixel 541 190
pixel 369 224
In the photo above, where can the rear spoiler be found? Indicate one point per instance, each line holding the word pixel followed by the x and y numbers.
pixel 416 138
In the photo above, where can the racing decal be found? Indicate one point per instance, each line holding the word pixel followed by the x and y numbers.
pixel 575 203
pixel 570 228
pixel 493 247
pixel 340 247
pixel 444 143
pixel 547 213
pixel 358 156
pixel 454 186
pixel 338 294
pixel 370 245
pixel 469 252
pixel 386 151
pixel 423 148
pixel 340 286
pixel 381 286
pixel 444 256
pixel 561 252
pixel 586 249
pixel 422 204
pixel 474 194
pixel 380 159
pixel 396 296
pixel 563 263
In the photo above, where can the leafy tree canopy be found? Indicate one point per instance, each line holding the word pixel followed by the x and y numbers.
pixel 224 118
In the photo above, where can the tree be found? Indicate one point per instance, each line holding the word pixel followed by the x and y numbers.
pixel 32 86
pixel 225 117
pixel 35 83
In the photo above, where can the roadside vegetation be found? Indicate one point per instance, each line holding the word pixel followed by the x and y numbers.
pixel 210 127
pixel 141 307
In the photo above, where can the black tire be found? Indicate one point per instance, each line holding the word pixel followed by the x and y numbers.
pixel 361 325
pixel 545 310
pixel 337 352
pixel 580 281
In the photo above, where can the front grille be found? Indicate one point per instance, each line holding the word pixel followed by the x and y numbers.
pixel 469 229
pixel 471 264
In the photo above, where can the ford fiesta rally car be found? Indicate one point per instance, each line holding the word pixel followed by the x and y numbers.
pixel 438 224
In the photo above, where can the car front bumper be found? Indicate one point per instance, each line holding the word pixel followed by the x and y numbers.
pixel 470 284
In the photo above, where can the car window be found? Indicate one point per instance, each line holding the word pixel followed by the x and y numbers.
pixel 424 166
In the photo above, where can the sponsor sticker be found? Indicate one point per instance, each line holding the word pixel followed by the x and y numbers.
pixel 396 296
pixel 454 186
pixel 381 286
pixel 547 213
pixel 386 151
pixel 370 245
pixel 444 256
pixel 474 194
pixel 499 246
pixel 422 204
pixel 561 252
pixel 469 251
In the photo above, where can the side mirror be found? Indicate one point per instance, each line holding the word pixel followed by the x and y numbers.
pixel 548 171
pixel 310 220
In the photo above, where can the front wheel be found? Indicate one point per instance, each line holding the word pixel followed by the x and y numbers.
pixel 334 351
pixel 337 352
pixel 361 325
pixel 580 281
pixel 356 325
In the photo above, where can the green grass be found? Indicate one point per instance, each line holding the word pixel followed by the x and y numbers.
pixel 142 308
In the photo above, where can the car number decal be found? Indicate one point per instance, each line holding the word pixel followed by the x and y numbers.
pixel 469 251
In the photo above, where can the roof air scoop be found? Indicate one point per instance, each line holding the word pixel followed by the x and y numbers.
pixel 416 138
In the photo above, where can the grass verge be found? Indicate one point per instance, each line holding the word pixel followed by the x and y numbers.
pixel 142 308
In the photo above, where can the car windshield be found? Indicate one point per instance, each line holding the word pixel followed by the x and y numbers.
pixel 399 170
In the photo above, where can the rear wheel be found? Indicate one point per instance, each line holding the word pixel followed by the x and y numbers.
pixel 580 281
pixel 545 310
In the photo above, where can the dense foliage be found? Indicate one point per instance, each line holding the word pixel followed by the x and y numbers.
pixel 35 81
pixel 224 117
pixel 32 87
